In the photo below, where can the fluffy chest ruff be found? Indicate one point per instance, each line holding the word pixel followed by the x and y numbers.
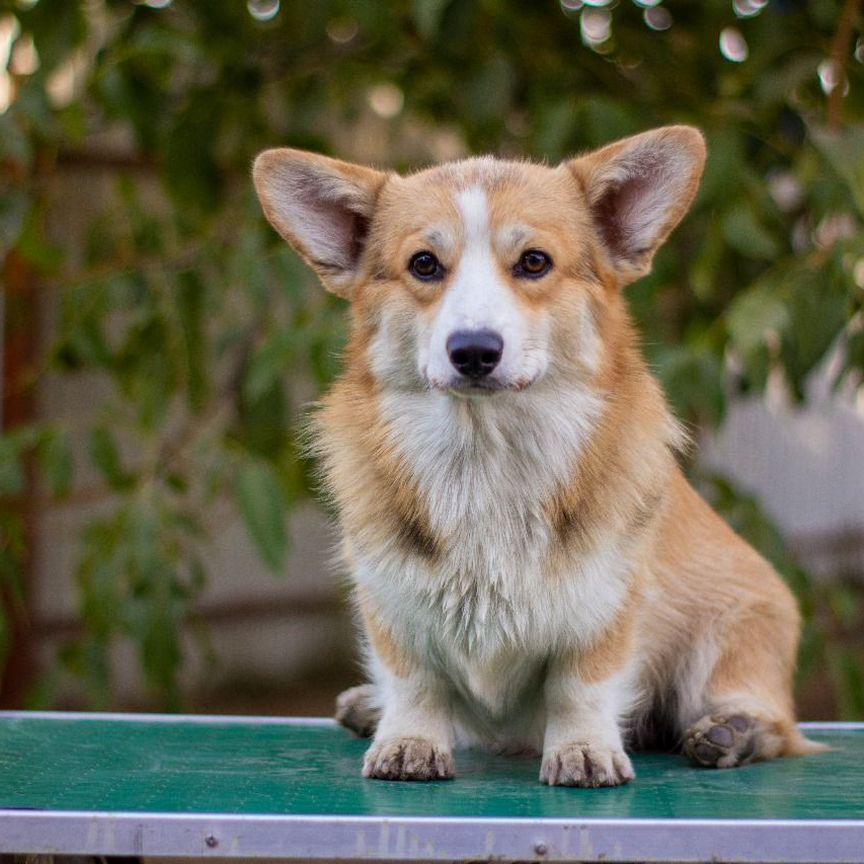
pixel 481 582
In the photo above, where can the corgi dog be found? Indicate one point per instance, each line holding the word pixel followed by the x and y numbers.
pixel 530 566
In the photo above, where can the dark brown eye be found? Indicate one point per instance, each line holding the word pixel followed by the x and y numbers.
pixel 533 264
pixel 425 266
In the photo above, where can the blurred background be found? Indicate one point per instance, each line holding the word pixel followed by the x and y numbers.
pixel 161 544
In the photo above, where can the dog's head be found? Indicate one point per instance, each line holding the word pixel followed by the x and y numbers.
pixel 484 276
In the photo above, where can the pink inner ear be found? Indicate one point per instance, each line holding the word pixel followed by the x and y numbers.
pixel 632 211
pixel 322 212
pixel 337 233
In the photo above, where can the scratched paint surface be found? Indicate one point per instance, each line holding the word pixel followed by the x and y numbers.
pixel 183 767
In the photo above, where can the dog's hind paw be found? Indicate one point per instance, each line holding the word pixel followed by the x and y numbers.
pixel 722 741
pixel 407 759
pixel 356 710
pixel 581 764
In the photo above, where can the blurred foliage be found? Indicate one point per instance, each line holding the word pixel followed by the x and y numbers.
pixel 205 335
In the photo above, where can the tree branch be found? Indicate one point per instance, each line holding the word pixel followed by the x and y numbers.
pixel 841 47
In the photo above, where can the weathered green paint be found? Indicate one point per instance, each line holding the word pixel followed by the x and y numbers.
pixel 225 767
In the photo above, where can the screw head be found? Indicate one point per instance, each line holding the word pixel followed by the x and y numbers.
pixel 540 849
pixel 211 841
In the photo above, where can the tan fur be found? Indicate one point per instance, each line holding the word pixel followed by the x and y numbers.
pixel 611 650
pixel 381 639
pixel 599 585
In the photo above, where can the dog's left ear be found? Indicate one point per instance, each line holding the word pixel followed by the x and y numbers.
pixel 322 207
pixel 638 189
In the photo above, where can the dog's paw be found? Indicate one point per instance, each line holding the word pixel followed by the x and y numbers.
pixel 356 710
pixel 582 764
pixel 721 741
pixel 407 759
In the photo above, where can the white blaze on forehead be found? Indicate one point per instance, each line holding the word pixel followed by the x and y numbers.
pixel 474 209
pixel 478 298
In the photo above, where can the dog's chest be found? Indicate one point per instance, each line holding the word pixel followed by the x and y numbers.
pixel 485 474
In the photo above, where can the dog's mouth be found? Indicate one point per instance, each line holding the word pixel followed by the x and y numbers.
pixel 483 388
pixel 474 389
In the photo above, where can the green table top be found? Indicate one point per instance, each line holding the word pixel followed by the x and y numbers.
pixel 224 767
pixel 240 768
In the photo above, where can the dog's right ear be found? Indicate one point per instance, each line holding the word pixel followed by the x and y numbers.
pixel 638 190
pixel 322 207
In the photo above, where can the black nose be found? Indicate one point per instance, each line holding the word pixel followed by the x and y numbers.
pixel 474 353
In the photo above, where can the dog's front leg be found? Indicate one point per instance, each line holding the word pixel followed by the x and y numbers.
pixel 414 737
pixel 582 745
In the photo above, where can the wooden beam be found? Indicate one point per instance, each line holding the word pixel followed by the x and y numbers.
pixel 18 345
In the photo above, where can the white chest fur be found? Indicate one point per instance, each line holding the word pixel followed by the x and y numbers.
pixel 487 608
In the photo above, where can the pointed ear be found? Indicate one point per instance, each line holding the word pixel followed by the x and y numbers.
pixel 638 190
pixel 322 207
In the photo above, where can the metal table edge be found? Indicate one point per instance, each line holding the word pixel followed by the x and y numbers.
pixel 429 838
pixel 135 717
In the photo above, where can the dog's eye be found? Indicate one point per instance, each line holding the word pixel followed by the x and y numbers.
pixel 533 264
pixel 425 266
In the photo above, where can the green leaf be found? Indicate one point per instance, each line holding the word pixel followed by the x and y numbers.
pixel 754 314
pixel 55 455
pixel 262 422
pixel 854 356
pixel 554 127
pixel 106 458
pixel 745 234
pixel 191 173
pixel 608 120
pixel 848 676
pixel 11 468
pixel 191 299
pixel 427 16
pixel 259 496
pixel 14 446
pixel 693 379
pixel 726 168
pixel 14 142
pixel 844 151
pixel 820 309
pixel 270 363
pixel 59 26
pixel 14 205
pixel 490 90
pixel 143 539
pixel 42 253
